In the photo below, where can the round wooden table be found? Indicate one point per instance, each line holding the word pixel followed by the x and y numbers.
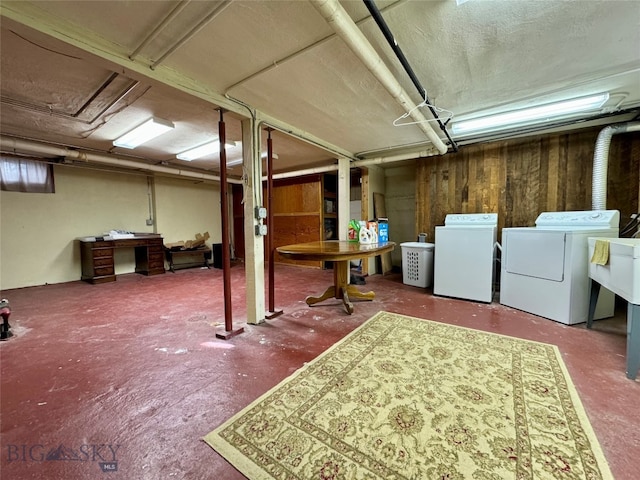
pixel 340 253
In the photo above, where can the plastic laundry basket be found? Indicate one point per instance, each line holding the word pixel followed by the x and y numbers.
pixel 417 263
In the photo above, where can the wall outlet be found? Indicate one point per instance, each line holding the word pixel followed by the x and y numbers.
pixel 261 229
pixel 149 221
pixel 261 213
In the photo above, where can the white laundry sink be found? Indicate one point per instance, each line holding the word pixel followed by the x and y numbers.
pixel 621 274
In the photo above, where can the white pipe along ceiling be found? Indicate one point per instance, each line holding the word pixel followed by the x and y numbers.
pixel 341 22
pixel 27 147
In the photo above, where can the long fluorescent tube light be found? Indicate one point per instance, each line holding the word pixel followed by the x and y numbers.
pixel 143 133
pixel 203 150
pixel 533 115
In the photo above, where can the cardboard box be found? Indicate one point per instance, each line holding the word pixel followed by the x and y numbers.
pixel 189 244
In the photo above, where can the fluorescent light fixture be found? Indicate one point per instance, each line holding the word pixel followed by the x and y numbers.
pixel 202 150
pixel 531 116
pixel 143 133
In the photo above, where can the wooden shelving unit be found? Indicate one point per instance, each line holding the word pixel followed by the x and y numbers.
pixel 305 209
pixel 330 206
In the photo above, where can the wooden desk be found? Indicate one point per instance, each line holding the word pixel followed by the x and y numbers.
pixel 97 256
pixel 341 253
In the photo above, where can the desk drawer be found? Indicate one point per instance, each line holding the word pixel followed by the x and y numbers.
pixel 131 242
pixel 156 261
pixel 103 262
pixel 99 271
pixel 101 252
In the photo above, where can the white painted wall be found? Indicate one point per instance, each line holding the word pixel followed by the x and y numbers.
pixel 185 207
pixel 38 231
pixel 376 185
pixel 400 200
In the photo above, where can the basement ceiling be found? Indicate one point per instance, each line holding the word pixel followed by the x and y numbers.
pixel 79 74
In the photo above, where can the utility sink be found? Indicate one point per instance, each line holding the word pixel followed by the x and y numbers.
pixel 621 274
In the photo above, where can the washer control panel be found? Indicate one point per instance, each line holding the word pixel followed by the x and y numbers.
pixel 592 218
pixel 471 219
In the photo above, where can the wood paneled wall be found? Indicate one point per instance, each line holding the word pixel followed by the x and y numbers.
pixel 519 179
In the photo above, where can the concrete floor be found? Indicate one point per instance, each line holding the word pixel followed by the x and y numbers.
pixel 130 374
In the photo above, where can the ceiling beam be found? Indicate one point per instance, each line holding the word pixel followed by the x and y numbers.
pixel 18 15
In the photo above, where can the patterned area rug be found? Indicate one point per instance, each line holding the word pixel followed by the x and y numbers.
pixel 409 399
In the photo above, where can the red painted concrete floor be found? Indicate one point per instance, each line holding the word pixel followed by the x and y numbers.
pixel 130 374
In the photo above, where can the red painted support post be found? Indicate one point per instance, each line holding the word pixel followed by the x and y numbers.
pixel 272 309
pixel 226 260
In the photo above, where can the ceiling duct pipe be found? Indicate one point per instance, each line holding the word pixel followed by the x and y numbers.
pixel 344 26
pixel 27 147
pixel 414 155
pixel 601 162
pixel 384 28
pixel 306 171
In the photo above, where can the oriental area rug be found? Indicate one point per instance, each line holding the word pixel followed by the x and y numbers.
pixel 402 398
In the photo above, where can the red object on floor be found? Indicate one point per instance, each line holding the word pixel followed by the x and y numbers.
pixel 129 374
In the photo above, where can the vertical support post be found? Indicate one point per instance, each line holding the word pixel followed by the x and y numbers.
pixel 272 309
pixel 344 196
pixel 254 266
pixel 364 209
pixel 226 260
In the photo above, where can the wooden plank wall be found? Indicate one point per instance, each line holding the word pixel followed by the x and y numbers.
pixel 521 178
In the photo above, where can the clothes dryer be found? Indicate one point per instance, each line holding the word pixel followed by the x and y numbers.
pixel 464 256
pixel 544 269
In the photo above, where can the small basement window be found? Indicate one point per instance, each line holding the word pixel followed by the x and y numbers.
pixel 23 175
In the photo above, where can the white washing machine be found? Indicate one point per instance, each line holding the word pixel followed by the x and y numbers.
pixel 545 269
pixel 464 256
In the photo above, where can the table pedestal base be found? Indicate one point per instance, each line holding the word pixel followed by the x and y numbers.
pixel 341 289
